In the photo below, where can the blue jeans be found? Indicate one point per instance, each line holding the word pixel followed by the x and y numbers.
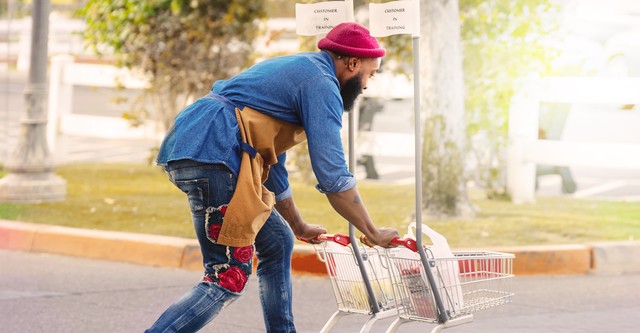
pixel 209 188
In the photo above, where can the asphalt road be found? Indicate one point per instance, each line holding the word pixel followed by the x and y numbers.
pixel 55 294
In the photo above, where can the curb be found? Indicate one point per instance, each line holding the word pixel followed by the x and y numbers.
pixel 107 245
pixel 550 259
pixel 616 258
pixel 174 252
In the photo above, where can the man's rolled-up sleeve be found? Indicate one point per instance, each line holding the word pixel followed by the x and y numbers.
pixel 343 184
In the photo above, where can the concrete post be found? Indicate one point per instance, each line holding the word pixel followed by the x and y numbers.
pixel 523 129
pixel 31 177
pixel 60 96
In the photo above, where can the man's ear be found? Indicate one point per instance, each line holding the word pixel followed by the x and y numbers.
pixel 353 63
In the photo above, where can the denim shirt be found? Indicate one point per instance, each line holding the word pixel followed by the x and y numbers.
pixel 301 89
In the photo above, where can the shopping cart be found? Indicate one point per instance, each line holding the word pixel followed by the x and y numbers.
pixel 467 282
pixel 361 286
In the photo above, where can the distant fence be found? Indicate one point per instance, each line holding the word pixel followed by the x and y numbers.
pixel 64 75
pixel 15 37
pixel 525 150
pixel 386 144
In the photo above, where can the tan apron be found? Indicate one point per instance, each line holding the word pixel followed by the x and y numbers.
pixel 264 138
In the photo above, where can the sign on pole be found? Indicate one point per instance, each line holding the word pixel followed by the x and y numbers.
pixel 403 17
pixel 394 18
pixel 318 18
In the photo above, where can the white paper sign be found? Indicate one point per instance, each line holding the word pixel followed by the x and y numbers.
pixel 318 18
pixel 394 18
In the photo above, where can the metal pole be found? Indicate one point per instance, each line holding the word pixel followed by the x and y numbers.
pixel 442 315
pixel 352 235
pixel 31 177
pixel 4 152
pixel 352 168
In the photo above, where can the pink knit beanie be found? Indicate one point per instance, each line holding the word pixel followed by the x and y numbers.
pixel 351 39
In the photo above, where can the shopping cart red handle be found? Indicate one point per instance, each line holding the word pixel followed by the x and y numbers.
pixel 406 242
pixel 336 238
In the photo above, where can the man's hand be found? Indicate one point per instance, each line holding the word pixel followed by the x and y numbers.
pixel 309 232
pixel 383 236
pixel 287 208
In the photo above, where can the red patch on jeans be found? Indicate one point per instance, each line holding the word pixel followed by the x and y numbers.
pixel 214 231
pixel 233 279
pixel 243 254
pixel 214 225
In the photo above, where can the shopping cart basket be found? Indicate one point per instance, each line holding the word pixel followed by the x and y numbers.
pixel 465 283
pixel 371 295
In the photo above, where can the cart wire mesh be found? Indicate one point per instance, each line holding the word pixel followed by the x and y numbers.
pixel 468 282
pixel 347 281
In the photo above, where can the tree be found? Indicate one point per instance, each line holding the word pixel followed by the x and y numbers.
pixel 181 46
pixel 499 41
pixel 503 40
pixel 442 101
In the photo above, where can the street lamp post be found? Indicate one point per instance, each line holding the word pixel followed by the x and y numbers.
pixel 31 177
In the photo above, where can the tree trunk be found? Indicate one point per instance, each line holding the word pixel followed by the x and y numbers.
pixel 442 103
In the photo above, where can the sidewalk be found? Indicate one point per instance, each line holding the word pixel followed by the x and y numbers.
pixel 174 252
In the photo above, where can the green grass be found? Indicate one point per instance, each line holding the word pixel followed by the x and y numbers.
pixel 134 198
pixel 138 198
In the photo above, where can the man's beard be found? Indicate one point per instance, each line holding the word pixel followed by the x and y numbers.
pixel 350 92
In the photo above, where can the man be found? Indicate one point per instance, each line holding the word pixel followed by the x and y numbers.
pixel 226 151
